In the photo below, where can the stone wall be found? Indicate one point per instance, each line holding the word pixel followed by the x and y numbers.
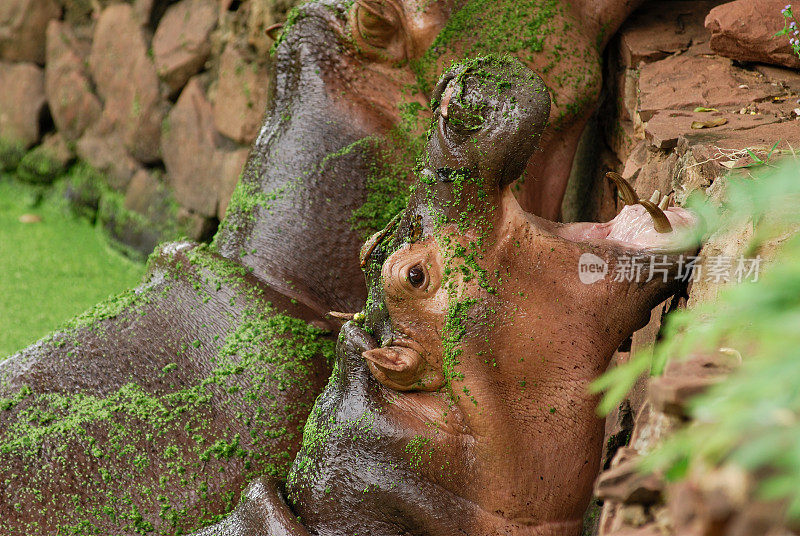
pixel 665 78
pixel 161 98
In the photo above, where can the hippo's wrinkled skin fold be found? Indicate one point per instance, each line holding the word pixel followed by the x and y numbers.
pixel 459 404
pixel 152 412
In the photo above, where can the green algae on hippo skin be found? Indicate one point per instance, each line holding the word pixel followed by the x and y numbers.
pixel 111 436
pixel 526 29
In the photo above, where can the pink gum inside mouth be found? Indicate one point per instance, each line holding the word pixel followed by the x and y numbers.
pixel 633 228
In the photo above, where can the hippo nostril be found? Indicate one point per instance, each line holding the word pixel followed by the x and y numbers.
pixel 448 95
pixel 441 86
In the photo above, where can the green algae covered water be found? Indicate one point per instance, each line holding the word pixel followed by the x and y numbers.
pixel 52 267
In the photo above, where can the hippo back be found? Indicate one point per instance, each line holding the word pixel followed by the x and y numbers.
pixel 151 412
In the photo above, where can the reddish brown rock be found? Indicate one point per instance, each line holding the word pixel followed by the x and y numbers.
pixel 189 146
pixel 672 395
pixel 720 500
pixel 647 530
pixel 127 82
pixel 625 482
pixel 660 29
pixel 740 132
pixel 181 43
pixel 627 89
pixel 745 30
pixel 231 165
pixel 148 215
pixel 687 81
pixel 22 28
pixel 105 152
pixel 22 102
pixel 241 96
pixel 202 174
pixel 195 226
pixel 144 191
pixel 666 126
pixel 58 149
pixel 73 104
pixel 788 78
pixel 148 12
pixel 650 169
pixel 682 380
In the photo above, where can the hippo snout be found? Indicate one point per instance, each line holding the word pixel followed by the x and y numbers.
pixel 354 340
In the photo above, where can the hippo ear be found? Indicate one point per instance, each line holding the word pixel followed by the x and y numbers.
pixel 401 369
pixel 390 358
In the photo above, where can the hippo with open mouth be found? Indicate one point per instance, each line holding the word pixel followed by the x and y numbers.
pixel 154 410
pixel 458 402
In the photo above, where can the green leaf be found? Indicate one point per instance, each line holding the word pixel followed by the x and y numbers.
pixel 755 157
pixel 773 149
pixel 678 469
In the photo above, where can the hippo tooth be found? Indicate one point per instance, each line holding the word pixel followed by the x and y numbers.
pixel 625 189
pixel 343 316
pixel 664 202
pixel 660 221
pixel 656 197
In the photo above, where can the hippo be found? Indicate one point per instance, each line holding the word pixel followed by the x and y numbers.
pixel 458 402
pixel 153 411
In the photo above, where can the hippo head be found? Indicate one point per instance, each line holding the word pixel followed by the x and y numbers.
pixel 338 105
pixel 465 278
pixel 349 108
pixel 459 401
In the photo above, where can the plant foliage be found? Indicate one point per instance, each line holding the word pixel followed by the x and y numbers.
pixel 790 28
pixel 752 419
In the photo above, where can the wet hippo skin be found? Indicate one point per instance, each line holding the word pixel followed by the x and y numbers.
pixel 152 412
pixel 458 403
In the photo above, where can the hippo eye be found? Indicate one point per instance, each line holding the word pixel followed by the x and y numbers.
pixel 416 276
pixel 377 24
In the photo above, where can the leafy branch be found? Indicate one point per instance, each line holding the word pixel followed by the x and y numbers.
pixel 751 419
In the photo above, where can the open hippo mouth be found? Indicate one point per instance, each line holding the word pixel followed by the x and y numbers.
pixel 646 225
pixel 638 228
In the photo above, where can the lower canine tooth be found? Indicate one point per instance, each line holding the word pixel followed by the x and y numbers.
pixel 625 189
pixel 664 202
pixel 660 221
pixel 656 197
